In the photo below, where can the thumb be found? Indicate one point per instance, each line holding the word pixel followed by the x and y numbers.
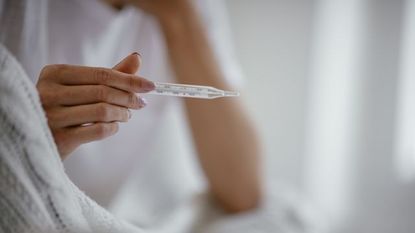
pixel 130 64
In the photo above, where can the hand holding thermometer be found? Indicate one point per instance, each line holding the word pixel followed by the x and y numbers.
pixel 192 91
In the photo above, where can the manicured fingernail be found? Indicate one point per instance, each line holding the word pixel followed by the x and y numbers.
pixel 148 85
pixel 130 114
pixel 136 53
pixel 142 102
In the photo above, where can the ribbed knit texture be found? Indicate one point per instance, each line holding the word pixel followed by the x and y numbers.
pixel 35 193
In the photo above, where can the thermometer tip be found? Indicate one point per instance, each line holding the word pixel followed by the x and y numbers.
pixel 231 93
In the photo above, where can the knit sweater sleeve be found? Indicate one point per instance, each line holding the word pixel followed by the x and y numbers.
pixel 35 193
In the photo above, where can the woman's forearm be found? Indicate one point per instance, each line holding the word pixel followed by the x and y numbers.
pixel 225 139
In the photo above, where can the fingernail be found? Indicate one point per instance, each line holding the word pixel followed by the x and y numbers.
pixel 129 113
pixel 142 102
pixel 148 85
pixel 136 53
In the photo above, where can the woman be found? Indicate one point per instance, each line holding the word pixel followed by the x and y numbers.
pixel 82 104
pixel 174 32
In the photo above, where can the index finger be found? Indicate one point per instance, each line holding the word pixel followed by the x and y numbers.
pixel 83 75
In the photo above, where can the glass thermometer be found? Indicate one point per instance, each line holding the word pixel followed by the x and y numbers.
pixel 192 91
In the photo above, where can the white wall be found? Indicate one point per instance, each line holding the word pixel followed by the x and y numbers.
pixel 272 43
pixel 323 79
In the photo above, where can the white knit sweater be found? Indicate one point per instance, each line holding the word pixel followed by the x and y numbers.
pixel 35 193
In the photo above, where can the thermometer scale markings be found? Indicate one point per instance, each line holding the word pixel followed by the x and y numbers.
pixel 193 91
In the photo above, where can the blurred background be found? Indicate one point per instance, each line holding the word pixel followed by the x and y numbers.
pixel 331 86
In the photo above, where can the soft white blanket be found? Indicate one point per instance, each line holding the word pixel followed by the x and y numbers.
pixel 35 193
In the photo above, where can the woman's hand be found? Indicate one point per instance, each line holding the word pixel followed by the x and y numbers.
pixel 85 104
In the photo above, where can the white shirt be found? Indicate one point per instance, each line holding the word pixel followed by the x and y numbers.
pixel 153 148
pixel 151 156
pixel 149 166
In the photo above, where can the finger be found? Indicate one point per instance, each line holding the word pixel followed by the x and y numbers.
pixel 130 64
pixel 84 114
pixel 89 133
pixel 90 94
pixel 82 75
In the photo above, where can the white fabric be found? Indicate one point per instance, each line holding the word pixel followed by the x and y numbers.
pixel 160 193
pixel 92 33
pixel 23 31
pixel 146 171
pixel 35 193
pixel 95 38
